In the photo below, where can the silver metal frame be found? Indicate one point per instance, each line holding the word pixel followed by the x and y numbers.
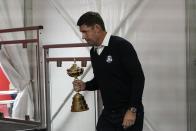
pixel 59 61
pixel 25 42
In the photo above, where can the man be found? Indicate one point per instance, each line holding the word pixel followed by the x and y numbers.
pixel 117 74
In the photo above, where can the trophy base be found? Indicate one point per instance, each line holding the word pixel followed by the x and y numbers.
pixel 79 103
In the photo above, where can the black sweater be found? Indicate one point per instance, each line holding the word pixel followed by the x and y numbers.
pixel 117 74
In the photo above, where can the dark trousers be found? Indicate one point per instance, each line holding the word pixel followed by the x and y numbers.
pixel 112 121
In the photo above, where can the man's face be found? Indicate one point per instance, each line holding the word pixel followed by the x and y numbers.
pixel 89 33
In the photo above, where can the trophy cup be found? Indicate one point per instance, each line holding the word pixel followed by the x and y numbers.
pixel 78 103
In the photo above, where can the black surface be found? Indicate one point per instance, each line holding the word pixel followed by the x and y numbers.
pixel 12 126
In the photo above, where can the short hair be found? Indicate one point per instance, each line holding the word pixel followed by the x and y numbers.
pixel 91 18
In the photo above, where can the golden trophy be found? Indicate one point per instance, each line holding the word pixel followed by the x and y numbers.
pixel 78 103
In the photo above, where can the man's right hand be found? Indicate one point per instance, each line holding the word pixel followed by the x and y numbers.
pixel 78 85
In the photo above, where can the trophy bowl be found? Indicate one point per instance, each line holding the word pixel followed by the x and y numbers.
pixel 75 71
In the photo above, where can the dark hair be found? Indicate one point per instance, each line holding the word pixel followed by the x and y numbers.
pixel 91 18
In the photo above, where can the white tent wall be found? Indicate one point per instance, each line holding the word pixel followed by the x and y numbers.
pixel 14 59
pixel 156 28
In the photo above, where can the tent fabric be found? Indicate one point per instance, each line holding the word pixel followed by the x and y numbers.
pixel 14 59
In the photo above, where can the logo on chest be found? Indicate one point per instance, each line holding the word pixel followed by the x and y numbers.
pixel 109 59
